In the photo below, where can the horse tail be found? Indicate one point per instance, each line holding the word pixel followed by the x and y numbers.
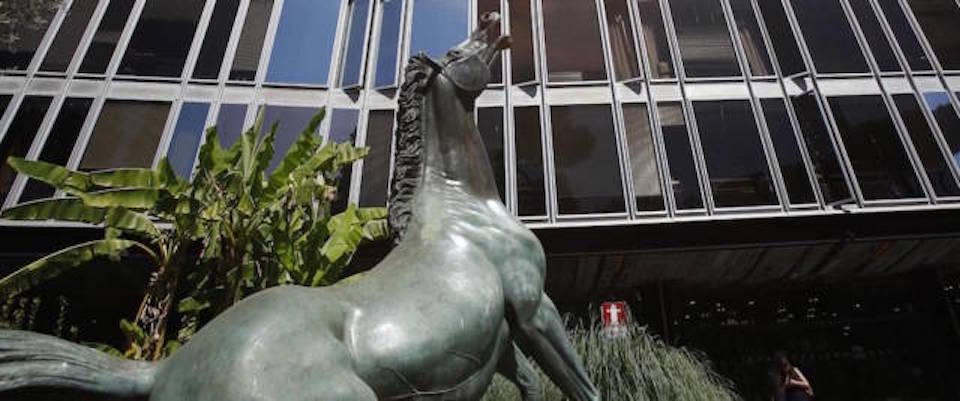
pixel 36 360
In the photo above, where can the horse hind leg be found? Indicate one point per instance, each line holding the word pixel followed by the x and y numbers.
pixel 515 367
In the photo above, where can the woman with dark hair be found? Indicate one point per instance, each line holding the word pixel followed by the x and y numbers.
pixel 793 385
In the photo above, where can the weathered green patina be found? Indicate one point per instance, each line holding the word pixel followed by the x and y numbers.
pixel 434 321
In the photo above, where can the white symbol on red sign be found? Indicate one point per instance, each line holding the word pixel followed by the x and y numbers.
pixel 614 313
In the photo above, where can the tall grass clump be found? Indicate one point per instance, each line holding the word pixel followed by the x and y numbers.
pixel 637 366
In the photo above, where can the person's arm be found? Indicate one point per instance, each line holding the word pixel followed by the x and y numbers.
pixel 797 379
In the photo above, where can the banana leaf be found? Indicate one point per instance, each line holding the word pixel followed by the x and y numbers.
pixel 57 176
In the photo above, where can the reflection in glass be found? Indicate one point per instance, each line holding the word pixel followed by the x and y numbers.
pixel 521 49
pixel 343 129
pixel 215 41
pixel 789 158
pixel 874 148
pixel 290 123
pixel 683 170
pixel 496 66
pixel 438 25
pixel 572 35
pixel 162 39
pixel 645 173
pixel 828 35
pixel 531 195
pixel 59 143
pixel 655 39
pixel 18 54
pixel 230 122
pixel 105 39
pixel 939 20
pixel 246 60
pixel 748 29
pixel 879 46
pixel 390 23
pixel 826 165
pixel 946 116
pixel 624 48
pixel 352 71
pixel 304 42
pixel 585 156
pixel 68 36
pixel 490 125
pixel 376 166
pixel 938 172
pixel 907 39
pixel 186 137
pixel 736 164
pixel 19 137
pixel 703 37
pixel 781 37
pixel 135 126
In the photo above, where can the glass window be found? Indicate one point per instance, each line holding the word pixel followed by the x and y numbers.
pixel 186 137
pixel 748 29
pixel 496 66
pixel 736 163
pixel 105 39
pixel 391 20
pixel 531 192
pixel 160 43
pixel 879 46
pixel 343 129
pixel 352 71
pixel 683 170
pixel 781 37
pixel 655 39
pixel 490 125
pixel 826 165
pixel 622 44
pixel 909 43
pixel 134 126
pixel 290 124
pixel 828 35
pixel 703 38
pixel 230 123
pixel 19 137
pixel 643 158
pixel 376 166
pixel 68 36
pixel 939 20
pixel 215 41
pixel 522 64
pixel 946 116
pixel 304 42
pixel 585 155
pixel 874 147
pixel 938 172
pixel 59 144
pixel 18 54
pixel 438 25
pixel 789 158
pixel 574 51
pixel 246 60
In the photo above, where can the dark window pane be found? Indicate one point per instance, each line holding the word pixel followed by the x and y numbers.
pixel 18 54
pixel 683 170
pixel 531 195
pixel 496 66
pixel 620 26
pixel 19 137
pixel 829 37
pixel 938 172
pixel 789 158
pixel 290 123
pixel 643 158
pixel 781 36
pixel 946 117
pixel 247 57
pixel 879 46
pixel 230 122
pixel 68 36
pixel 748 29
pixel 736 163
pixel 215 41
pixel 134 126
pixel 655 39
pixel 826 165
pixel 585 154
pixel 703 38
pixel 186 137
pixel 105 39
pixel 304 42
pixel 352 70
pixel 376 166
pixel 490 125
pixel 905 35
pixel 939 20
pixel 874 147
pixel 521 50
pixel 438 25
pixel 574 52
pixel 160 43
pixel 59 144
pixel 343 129
pixel 390 24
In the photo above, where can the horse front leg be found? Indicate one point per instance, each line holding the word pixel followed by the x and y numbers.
pixel 515 367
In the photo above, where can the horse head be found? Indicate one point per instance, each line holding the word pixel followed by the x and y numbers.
pixel 467 65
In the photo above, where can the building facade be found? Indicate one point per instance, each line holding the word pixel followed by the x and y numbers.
pixel 751 175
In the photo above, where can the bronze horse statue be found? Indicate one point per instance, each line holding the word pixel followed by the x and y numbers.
pixel 454 302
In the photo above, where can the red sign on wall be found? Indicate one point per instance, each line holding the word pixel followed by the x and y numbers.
pixel 614 313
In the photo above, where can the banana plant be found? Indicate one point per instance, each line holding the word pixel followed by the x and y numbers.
pixel 237 228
